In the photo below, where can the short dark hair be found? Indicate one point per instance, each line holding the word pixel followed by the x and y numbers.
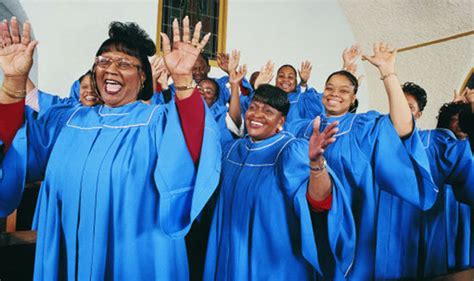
pixel 349 76
pixel 417 92
pixel 134 41
pixel 448 110
pixel 205 58
pixel 274 97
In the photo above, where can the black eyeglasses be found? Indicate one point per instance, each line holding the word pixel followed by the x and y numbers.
pixel 121 63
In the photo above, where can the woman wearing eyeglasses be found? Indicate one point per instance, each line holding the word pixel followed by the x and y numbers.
pixel 121 184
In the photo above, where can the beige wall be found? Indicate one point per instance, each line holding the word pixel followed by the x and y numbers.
pixel 439 68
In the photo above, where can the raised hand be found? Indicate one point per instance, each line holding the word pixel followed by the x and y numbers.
pixel 383 58
pixel 266 74
pixel 223 62
pixel 16 53
pixel 159 71
pixel 236 74
pixel 319 141
pixel 350 55
pixel 305 72
pixel 180 58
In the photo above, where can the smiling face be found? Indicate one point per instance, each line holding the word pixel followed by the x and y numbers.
pixel 262 120
pixel 286 79
pixel 338 95
pixel 118 86
pixel 88 95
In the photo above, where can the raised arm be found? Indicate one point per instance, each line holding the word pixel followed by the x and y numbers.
pixel 265 75
pixel 400 114
pixel 320 184
pixel 236 74
pixel 179 61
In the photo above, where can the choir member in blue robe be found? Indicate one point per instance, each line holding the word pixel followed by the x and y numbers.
pixel 373 152
pixel 305 102
pixel 121 184
pixel 430 243
pixel 262 227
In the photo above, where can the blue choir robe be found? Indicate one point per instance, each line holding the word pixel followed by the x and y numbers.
pixel 262 225
pixel 420 244
pixel 304 105
pixel 75 91
pixel 119 192
pixel 220 112
pixel 224 92
pixel 46 100
pixel 368 156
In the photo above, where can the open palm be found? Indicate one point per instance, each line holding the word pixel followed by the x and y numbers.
pixel 16 56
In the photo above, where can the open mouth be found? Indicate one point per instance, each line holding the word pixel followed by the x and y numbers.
pixel 255 124
pixel 112 87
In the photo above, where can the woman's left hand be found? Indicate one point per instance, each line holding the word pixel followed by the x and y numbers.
pixel 180 57
pixel 319 141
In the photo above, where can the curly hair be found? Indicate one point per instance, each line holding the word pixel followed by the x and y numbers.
pixel 417 92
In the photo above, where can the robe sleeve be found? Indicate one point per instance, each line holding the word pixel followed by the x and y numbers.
pixel 338 228
pixel 311 104
pixel 27 158
pixel 185 188
pixel 401 166
pixel 191 113
pixel 75 92
pixel 453 164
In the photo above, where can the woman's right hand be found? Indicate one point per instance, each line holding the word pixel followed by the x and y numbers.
pixel 16 53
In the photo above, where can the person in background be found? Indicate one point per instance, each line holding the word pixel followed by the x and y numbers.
pixel 434 242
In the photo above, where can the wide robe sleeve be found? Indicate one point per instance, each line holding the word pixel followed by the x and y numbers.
pixel 28 156
pixel 401 166
pixel 454 164
pixel 184 189
pixel 293 174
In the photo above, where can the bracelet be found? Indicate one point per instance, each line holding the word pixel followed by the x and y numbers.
pixel 318 168
pixel 14 94
pixel 387 75
pixel 187 87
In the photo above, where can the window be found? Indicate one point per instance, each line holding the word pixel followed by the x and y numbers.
pixel 212 14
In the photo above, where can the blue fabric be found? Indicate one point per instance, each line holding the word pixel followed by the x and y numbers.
pixel 46 100
pixel 220 112
pixel 425 244
pixel 368 157
pixel 120 190
pixel 304 105
pixel 262 227
pixel 75 91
